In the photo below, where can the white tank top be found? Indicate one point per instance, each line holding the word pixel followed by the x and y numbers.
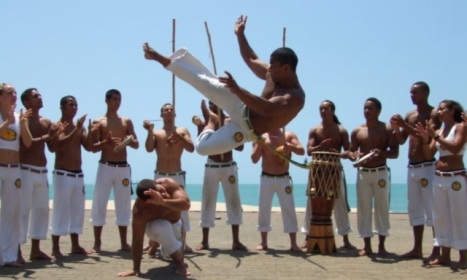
pixel 451 136
pixel 9 139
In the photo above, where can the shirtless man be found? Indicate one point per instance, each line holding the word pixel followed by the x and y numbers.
pixel 251 115
pixel 114 172
pixel 157 212
pixel 331 136
pixel 373 182
pixel 421 170
pixel 68 179
pixel 35 185
pixel 275 178
pixel 219 168
pixel 169 144
pixel 13 127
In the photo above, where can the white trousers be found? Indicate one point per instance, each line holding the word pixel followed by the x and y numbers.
pixel 10 184
pixel 214 174
pixel 179 177
pixel 168 235
pixel 68 205
pixel 34 202
pixel 238 131
pixel 373 186
pixel 283 187
pixel 341 211
pixel 110 178
pixel 449 211
pixel 420 194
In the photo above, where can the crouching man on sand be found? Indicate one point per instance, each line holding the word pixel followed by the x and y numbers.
pixel 156 212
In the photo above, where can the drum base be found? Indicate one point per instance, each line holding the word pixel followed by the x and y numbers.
pixel 321 238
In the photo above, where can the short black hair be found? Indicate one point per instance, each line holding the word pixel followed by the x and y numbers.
pixel 65 98
pixel 25 94
pixel 423 85
pixel 286 56
pixel 109 93
pixel 376 101
pixel 144 185
pixel 166 104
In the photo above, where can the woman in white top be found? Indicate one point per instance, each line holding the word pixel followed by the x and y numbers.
pixel 450 184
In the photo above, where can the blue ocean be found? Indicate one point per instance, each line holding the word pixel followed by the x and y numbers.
pixel 249 195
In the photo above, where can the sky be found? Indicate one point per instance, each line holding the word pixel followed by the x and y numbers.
pixel 348 51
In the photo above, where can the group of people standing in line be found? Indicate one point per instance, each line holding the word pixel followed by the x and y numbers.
pixel 436 188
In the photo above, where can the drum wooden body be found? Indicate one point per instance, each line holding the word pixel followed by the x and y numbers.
pixel 323 188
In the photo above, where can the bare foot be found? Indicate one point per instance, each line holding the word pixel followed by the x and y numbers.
pixel 412 255
pixel 349 246
pixel 295 248
pixel 261 247
pixel 365 252
pixel 440 261
pixel 126 247
pixel 13 264
pixel 57 255
pixel 149 53
pixel 20 259
pixel 181 269
pixel 202 246
pixel 39 255
pixel 188 249
pixel 304 244
pixel 382 252
pixel 81 251
pixel 96 248
pixel 434 256
pixel 239 247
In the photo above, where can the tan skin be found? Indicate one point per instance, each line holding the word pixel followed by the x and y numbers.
pixel 329 136
pixel 8 99
pixel 106 133
pixel 68 157
pixel 167 200
pixel 211 113
pixel 373 136
pixel 272 109
pixel 445 163
pixel 271 163
pixel 42 132
pixel 405 129
pixel 169 144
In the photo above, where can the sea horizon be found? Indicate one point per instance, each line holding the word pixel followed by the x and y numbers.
pixel 249 194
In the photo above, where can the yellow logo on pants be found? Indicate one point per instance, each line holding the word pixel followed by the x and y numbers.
pixel 232 179
pixel 382 183
pixel 288 190
pixel 18 183
pixel 238 137
pixel 125 182
pixel 456 186
pixel 424 182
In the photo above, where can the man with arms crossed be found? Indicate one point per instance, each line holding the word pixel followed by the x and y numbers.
pixel 68 179
pixel 169 144
pixel 113 172
pixel 251 115
pixel 35 185
pixel 157 212
pixel 373 177
pixel 275 178
pixel 219 168
pixel 421 170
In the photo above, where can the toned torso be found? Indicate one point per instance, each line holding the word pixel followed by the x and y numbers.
pixel 415 143
pixel 35 154
pixel 119 127
pixel 372 137
pixel 68 153
pixel 168 153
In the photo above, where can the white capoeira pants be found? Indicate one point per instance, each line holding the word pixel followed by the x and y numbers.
pixel 226 174
pixel 10 184
pixel 449 205
pixel 238 131
pixel 179 177
pixel 373 186
pixel 116 177
pixel 68 205
pixel 34 202
pixel 168 235
pixel 283 187
pixel 420 193
pixel 341 211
